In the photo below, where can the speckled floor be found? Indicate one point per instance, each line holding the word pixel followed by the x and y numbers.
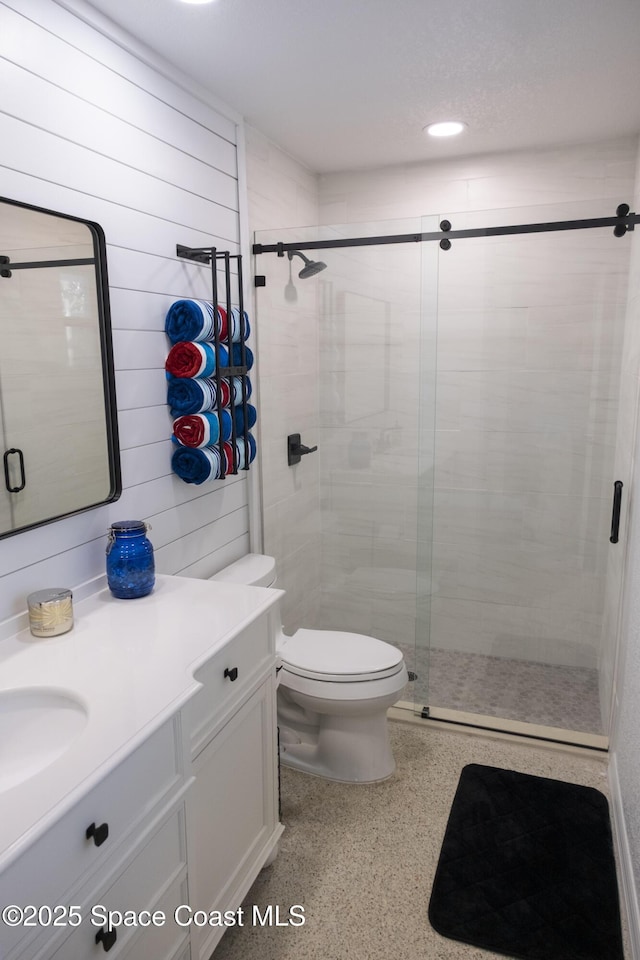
pixel 360 859
pixel 547 694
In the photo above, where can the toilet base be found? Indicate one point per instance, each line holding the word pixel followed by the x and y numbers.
pixel 346 749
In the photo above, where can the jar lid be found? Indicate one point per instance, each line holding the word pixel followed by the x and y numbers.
pixel 128 525
pixel 52 595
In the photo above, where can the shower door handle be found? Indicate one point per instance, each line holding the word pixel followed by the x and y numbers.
pixel 615 514
pixel 7 479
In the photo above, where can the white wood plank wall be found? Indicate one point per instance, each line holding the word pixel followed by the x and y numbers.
pixel 89 129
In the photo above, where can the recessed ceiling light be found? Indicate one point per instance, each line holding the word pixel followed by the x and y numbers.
pixel 448 128
pixel 197 1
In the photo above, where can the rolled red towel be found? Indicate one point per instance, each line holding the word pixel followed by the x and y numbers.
pixel 202 429
pixel 188 359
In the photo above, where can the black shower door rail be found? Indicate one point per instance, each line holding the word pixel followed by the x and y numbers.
pixel 623 221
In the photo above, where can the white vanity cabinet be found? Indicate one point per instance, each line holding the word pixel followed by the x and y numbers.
pixel 185 819
pixel 126 836
pixel 232 809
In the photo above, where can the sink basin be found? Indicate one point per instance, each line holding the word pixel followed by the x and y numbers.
pixel 37 725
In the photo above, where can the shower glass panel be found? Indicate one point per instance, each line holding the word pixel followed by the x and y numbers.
pixel 522 605
pixel 343 355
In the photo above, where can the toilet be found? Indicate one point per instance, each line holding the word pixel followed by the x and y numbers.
pixel 333 693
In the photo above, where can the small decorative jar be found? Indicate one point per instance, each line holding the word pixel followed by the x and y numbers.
pixel 50 612
pixel 130 563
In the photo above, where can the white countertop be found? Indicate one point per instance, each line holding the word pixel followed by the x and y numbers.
pixel 131 664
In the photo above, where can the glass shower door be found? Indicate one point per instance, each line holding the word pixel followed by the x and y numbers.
pixel 341 358
pixel 525 582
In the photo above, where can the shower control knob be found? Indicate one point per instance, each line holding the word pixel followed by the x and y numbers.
pixel 296 450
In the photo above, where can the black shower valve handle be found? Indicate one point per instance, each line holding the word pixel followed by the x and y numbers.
pixel 296 450
pixel 302 450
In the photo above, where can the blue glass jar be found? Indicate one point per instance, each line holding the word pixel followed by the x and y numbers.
pixel 130 562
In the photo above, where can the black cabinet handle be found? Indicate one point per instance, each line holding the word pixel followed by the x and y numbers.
pixel 99 834
pixel 615 514
pixel 107 938
pixel 7 481
pixel 232 674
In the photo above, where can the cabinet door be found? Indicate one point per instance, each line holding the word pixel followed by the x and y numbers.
pixel 232 812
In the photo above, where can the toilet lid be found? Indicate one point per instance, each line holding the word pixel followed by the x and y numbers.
pixel 339 657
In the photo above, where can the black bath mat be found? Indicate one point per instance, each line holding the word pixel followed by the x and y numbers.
pixel 526 869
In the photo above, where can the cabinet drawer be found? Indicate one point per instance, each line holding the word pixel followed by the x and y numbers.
pixel 168 941
pixel 247 653
pixel 64 856
pixel 140 887
pixel 182 954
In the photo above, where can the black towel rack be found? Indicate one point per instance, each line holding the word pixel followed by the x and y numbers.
pixel 211 256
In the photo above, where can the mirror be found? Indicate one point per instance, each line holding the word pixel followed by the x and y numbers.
pixel 58 426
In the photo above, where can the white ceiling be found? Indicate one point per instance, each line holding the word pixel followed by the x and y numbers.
pixel 349 84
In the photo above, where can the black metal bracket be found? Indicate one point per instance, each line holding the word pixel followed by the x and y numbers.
pixel 625 225
pixel 260 280
pixel 198 254
pixel 297 450
pixel 424 714
pixel 445 244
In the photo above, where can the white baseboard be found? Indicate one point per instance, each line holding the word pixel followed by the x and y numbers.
pixel 623 850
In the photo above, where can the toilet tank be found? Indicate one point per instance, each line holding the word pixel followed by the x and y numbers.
pixel 254 570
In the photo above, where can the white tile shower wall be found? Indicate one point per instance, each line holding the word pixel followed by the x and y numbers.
pixel 528 376
pixel 93 131
pixel 283 195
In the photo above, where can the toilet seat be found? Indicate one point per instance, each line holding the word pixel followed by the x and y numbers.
pixel 334 690
pixel 337 657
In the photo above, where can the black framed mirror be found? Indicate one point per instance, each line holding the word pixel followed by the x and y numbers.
pixel 58 418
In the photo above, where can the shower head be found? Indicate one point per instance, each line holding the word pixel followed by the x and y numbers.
pixel 311 267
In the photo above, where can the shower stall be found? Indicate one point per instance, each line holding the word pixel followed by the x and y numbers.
pixel 470 383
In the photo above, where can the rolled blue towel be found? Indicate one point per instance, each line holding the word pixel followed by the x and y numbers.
pixel 238 417
pixel 193 320
pixel 234 325
pixel 191 395
pixel 195 465
pixel 237 389
pixel 236 355
pixel 187 395
pixel 240 448
pixel 202 429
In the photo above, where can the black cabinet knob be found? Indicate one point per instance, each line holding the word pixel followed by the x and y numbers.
pixel 107 938
pixel 99 834
pixel 232 674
